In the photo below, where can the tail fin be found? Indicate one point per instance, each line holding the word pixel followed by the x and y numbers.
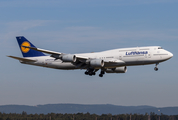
pixel 27 52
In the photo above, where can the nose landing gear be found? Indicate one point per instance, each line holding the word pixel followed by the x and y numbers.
pixel 156 67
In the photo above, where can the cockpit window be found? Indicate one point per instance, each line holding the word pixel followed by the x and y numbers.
pixel 160 48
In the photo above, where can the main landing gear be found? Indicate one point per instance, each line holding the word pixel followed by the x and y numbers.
pixel 101 73
pixel 156 67
pixel 91 72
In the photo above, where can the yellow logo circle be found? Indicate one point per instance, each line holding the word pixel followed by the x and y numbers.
pixel 24 49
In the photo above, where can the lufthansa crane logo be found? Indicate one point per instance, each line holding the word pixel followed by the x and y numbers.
pixel 24 49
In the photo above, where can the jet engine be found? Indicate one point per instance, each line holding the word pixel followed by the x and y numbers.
pixel 69 58
pixel 97 63
pixel 117 70
pixel 65 57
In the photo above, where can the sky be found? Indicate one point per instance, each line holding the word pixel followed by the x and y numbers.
pixel 88 26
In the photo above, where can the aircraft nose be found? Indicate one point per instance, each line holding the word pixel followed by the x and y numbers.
pixel 170 55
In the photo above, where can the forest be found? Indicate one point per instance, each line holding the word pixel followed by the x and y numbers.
pixel 85 116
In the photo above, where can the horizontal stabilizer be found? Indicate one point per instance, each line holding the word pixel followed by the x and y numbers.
pixel 22 59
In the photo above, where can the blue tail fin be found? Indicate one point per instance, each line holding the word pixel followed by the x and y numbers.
pixel 27 52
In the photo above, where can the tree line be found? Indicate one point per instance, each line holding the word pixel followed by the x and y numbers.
pixel 85 116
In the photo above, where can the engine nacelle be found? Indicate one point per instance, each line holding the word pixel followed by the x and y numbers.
pixel 117 70
pixel 97 63
pixel 69 58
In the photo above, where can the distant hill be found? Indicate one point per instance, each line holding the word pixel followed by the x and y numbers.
pixel 92 109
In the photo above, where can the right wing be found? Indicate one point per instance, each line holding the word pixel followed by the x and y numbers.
pixel 115 61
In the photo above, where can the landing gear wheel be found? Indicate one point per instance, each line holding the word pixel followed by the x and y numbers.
pixel 86 73
pixel 101 75
pixel 90 73
pixel 156 69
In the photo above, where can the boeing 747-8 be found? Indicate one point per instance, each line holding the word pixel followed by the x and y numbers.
pixel 110 61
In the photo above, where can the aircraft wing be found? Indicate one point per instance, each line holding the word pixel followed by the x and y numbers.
pixel 116 61
pixel 22 59
pixel 54 53
pixel 43 50
pixel 82 57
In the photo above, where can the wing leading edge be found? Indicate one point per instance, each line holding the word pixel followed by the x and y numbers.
pixel 53 52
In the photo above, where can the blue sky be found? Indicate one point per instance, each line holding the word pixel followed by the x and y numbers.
pixel 88 26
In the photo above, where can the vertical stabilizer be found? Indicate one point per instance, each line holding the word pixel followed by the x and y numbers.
pixel 27 52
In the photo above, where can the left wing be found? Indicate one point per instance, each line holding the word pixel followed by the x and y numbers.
pixel 42 50
pixel 53 53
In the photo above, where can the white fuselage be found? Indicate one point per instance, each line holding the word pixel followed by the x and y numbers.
pixel 129 56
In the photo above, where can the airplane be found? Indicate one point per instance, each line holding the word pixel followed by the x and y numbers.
pixel 110 61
